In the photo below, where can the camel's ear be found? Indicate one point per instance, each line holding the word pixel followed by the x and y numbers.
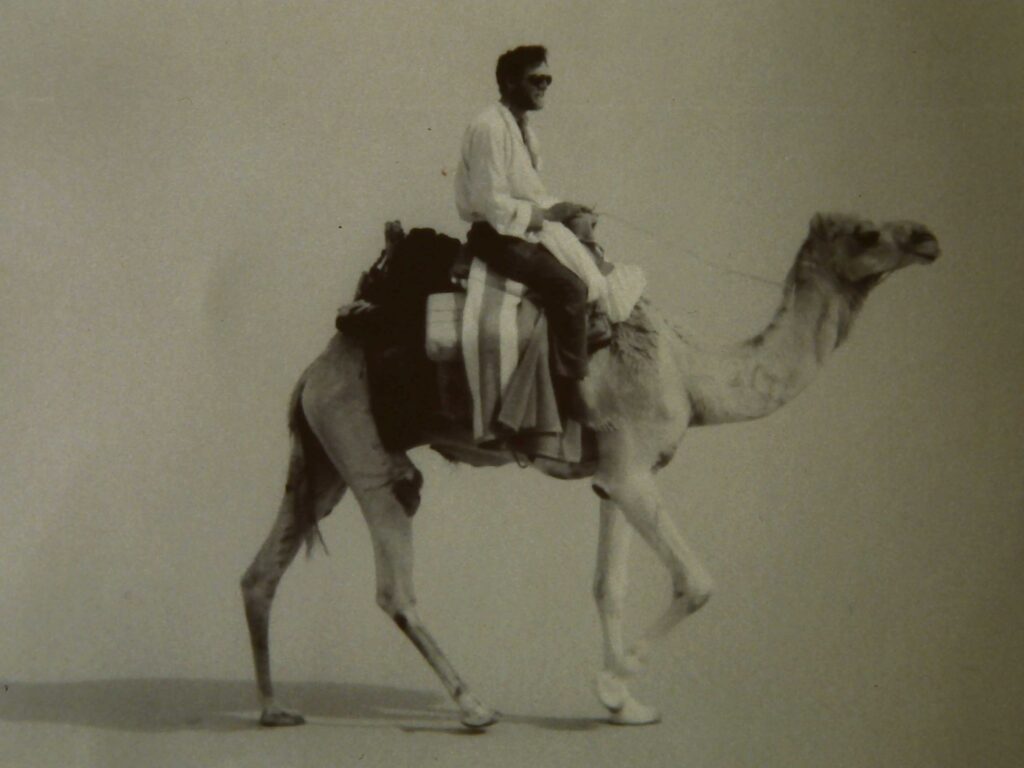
pixel 819 225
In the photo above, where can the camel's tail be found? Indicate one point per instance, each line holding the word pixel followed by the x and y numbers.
pixel 310 473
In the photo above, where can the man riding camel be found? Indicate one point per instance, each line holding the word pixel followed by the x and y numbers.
pixel 518 229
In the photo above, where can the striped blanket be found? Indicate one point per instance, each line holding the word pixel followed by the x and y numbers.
pixel 505 350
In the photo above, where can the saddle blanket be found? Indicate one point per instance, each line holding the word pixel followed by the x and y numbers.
pixel 504 345
pixel 501 337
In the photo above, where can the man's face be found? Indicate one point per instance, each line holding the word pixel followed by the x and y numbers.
pixel 528 92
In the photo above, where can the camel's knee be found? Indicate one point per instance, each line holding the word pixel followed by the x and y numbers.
pixel 386 602
pixel 257 585
pixel 393 603
pixel 251 580
pixel 608 596
pixel 402 613
pixel 693 597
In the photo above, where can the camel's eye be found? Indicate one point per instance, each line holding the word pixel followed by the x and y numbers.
pixel 867 238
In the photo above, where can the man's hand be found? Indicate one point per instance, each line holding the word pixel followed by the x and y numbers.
pixel 565 211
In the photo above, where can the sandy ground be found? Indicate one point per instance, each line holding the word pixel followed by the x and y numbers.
pixel 156 722
pixel 747 722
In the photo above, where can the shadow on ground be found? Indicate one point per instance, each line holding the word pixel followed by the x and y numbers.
pixel 156 705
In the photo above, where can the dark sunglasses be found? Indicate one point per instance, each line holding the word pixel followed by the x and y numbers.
pixel 539 80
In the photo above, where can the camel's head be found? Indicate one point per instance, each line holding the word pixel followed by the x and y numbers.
pixel 860 254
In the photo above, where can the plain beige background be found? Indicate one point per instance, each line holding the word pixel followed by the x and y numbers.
pixel 191 189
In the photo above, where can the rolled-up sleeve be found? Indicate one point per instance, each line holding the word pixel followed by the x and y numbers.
pixel 487 157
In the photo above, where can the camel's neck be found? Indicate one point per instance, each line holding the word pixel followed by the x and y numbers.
pixel 752 379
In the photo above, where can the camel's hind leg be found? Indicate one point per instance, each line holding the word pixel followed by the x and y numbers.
pixel 391 531
pixel 336 402
pixel 312 490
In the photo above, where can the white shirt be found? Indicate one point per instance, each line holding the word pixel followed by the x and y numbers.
pixel 497 180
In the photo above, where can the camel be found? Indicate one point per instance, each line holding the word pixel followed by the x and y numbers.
pixel 648 387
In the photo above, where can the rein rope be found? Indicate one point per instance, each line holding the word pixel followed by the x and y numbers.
pixel 689 253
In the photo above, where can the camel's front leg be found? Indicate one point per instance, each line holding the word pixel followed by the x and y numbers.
pixel 610 581
pixel 636 494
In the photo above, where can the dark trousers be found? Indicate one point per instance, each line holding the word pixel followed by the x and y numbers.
pixel 563 296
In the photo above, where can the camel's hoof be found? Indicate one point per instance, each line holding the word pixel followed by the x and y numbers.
pixel 474 714
pixel 623 709
pixel 611 691
pixel 277 718
pixel 480 720
pixel 635 713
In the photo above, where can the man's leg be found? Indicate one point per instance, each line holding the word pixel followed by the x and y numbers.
pixel 563 297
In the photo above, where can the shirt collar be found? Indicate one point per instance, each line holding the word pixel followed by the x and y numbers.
pixel 507 114
pixel 524 132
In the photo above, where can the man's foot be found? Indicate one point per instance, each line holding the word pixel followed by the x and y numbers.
pixel 574 404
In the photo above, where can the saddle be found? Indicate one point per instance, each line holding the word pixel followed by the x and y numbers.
pixel 408 315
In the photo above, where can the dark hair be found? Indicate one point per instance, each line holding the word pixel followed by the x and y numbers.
pixel 512 64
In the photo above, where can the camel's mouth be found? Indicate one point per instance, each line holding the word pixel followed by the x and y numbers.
pixel 865 284
pixel 917 242
pixel 925 247
pixel 909 244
